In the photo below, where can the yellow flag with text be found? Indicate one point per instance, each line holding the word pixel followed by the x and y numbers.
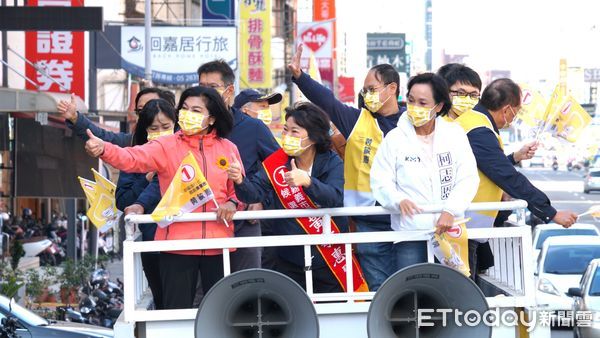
pixel 551 112
pixel 188 190
pixel 533 105
pixel 451 248
pixel 571 119
pixel 89 188
pixel 103 212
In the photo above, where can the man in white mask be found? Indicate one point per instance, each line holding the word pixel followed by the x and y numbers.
pixel 256 105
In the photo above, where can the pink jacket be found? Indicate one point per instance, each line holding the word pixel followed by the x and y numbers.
pixel 163 156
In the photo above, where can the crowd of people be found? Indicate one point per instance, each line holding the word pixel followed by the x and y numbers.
pixel 443 147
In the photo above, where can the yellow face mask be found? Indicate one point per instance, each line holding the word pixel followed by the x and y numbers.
pixel 292 145
pixel 372 101
pixel 265 115
pixel 419 116
pixel 153 135
pixel 462 104
pixel 191 123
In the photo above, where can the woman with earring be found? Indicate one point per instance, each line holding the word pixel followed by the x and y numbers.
pixel 204 122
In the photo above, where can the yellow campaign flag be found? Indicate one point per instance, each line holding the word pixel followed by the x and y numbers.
pixel 89 188
pixel 533 105
pixel 451 248
pixel 551 112
pixel 105 182
pixel 571 119
pixel 103 212
pixel 188 190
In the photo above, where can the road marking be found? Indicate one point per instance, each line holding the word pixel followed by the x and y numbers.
pixel 576 202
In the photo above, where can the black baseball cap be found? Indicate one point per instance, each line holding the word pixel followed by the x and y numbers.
pixel 251 95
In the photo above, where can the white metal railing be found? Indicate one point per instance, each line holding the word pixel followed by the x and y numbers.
pixel 511 245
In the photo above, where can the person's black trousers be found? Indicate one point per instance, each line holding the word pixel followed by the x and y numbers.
pixel 179 275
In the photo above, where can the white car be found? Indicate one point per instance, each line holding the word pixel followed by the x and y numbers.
pixel 561 263
pixel 541 232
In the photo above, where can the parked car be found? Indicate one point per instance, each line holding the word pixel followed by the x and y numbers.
pixel 30 325
pixel 544 231
pixel 587 300
pixel 591 182
pixel 561 263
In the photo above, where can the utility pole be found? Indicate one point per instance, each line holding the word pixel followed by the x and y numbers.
pixel 147 29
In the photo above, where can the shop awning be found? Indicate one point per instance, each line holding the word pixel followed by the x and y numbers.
pixel 19 100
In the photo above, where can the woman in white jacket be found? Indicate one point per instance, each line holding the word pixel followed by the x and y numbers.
pixel 425 160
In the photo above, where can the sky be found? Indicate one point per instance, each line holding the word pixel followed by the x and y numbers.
pixel 527 37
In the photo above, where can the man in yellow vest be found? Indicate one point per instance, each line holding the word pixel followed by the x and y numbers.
pixel 364 129
pixel 465 89
pixel 499 104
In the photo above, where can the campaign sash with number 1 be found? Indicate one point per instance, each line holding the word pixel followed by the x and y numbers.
pixel 296 198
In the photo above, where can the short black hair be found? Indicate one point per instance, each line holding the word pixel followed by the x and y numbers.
pixel 439 88
pixel 386 74
pixel 218 66
pixel 459 73
pixel 499 93
pixel 216 108
pixel 147 115
pixel 316 122
pixel 163 94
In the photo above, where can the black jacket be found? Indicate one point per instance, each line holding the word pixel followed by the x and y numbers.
pixel 326 191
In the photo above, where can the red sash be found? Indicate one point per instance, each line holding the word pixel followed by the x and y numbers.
pixel 296 198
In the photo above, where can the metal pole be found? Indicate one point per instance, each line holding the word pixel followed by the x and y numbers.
pixel 6 65
pixel 4 55
pixel 93 74
pixel 71 228
pixel 147 29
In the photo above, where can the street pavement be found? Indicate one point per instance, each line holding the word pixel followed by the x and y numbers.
pixel 565 190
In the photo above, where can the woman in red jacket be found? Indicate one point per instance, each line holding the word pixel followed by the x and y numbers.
pixel 205 122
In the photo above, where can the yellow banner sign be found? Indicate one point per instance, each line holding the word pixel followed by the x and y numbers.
pixel 255 44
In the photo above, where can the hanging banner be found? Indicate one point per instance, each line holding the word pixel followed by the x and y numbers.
pixel 317 37
pixel 59 54
pixel 177 52
pixel 255 44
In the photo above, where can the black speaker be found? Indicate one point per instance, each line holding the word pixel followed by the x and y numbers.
pixel 395 307
pixel 256 303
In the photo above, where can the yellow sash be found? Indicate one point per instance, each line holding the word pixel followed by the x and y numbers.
pixel 488 191
pixel 361 147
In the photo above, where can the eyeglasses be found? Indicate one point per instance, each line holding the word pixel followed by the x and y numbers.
pixel 372 90
pixel 473 95
pixel 212 85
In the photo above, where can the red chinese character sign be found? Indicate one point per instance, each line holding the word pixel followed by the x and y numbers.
pixel 255 44
pixel 60 55
pixel 317 37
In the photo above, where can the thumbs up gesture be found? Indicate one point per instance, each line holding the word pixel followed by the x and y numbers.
pixel 94 146
pixel 296 177
pixel 68 109
pixel 234 172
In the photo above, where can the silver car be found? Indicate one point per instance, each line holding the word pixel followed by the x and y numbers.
pixel 591 181
pixel 586 306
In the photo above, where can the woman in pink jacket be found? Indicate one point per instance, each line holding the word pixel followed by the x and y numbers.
pixel 205 122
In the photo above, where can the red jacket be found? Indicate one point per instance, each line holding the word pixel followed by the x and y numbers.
pixel 164 155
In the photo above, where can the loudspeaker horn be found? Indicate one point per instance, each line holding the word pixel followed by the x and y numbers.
pixel 395 307
pixel 256 303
